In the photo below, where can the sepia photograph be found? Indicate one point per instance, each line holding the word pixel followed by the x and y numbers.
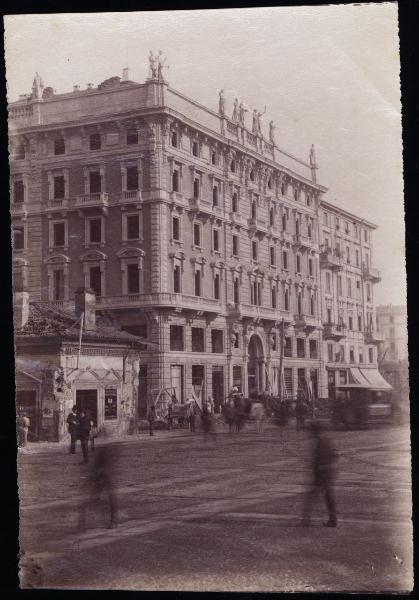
pixel 209 300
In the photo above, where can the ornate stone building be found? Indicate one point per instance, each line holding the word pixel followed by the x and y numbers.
pixel 194 230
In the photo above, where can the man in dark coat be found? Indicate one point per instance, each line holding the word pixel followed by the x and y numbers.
pixel 324 475
pixel 84 434
pixel 151 417
pixel 72 422
pixel 300 413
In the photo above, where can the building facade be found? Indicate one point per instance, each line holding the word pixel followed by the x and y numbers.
pixel 194 230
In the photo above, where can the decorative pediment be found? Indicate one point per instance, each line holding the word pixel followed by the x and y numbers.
pixel 179 255
pixel 57 259
pixel 131 253
pixel 18 261
pixel 199 260
pixel 218 264
pixel 93 255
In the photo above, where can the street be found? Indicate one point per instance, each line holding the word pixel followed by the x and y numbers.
pixel 223 515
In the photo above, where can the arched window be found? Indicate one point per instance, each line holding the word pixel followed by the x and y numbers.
pixel 195 149
pixel 270 183
pixel 273 296
pixel 252 175
pixel 284 222
pixel 174 139
pixel 283 189
pixel 214 158
pixel 196 188
pixel 233 166
pixel 287 300
pixel 295 194
pixel 236 291
pixel 217 286
pixel 312 305
pixel 299 304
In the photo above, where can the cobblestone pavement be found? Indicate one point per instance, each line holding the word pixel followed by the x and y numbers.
pixel 223 515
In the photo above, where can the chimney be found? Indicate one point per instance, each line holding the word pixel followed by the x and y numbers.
pixel 85 302
pixel 20 309
pixel 125 74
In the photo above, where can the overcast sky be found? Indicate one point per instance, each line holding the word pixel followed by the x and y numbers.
pixel 328 75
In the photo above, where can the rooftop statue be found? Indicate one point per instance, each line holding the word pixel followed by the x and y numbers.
pixel 154 65
pixel 242 110
pixel 235 115
pixel 37 87
pixel 256 127
pixel 272 128
pixel 221 103
pixel 161 62
pixel 313 162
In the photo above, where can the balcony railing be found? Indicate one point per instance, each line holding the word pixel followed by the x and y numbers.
pixel 130 196
pixel 57 203
pixel 257 225
pixel 19 209
pixel 100 200
pixel 261 312
pixel 371 273
pixel 333 332
pixel 287 236
pixel 372 337
pixel 301 241
pixel 160 299
pixel 330 259
pixel 306 321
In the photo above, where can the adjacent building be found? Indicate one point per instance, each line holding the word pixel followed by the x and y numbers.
pixel 196 232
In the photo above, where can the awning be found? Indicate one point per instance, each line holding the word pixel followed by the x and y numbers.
pixel 377 381
pixel 356 376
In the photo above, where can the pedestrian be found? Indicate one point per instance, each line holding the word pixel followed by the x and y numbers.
pixel 84 434
pixel 258 414
pixel 211 405
pixel 73 422
pixel 151 418
pixel 324 476
pixel 208 422
pixel 23 424
pixel 300 414
pixel 93 432
pixel 282 418
pixel 190 415
pixel 101 485
pixel 170 416
pixel 229 414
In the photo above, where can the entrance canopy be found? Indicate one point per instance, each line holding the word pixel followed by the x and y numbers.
pixel 368 379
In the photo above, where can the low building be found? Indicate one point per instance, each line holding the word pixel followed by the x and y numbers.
pixel 54 371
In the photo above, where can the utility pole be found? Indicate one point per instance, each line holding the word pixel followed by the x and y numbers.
pixel 281 360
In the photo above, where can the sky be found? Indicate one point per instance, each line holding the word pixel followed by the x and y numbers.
pixel 328 75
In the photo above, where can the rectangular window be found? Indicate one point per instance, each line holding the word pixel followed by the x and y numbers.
pixel 133 279
pixel 236 291
pixel 95 231
pixel 350 323
pixel 371 355
pixel 330 352
pixel 217 341
pixel 328 282
pixel 298 257
pixel 133 227
pixel 58 234
pixel 348 255
pixel 59 146
pixel 95 141
pixel 273 296
pixel 288 347
pixel 217 286
pixel 339 280
pixel 175 180
pixel 95 182
pixel 198 339
pixel 310 267
pixel 342 353
pixel 176 280
pixel 313 348
pixel 351 355
pixel 176 337
pixel 18 238
pixel 237 377
pixel 216 240
pixel 132 178
pixel 361 358
pixel 132 137
pixel 59 187
pixel 18 191
pixel 325 219
pixel 342 377
pixel 235 245
pixel 272 255
pixel 254 250
pixel 197 234
pixel 285 260
pixel 58 284
pixel 301 350
pixel 196 188
pixel 288 382
pixel 349 282
pixel 176 228
pixel 365 235
pixel 359 322
pixel 197 282
pixel 357 258
pixel 95 277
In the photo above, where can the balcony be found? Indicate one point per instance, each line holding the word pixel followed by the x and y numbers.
pixel 287 237
pixel 331 259
pixel 257 225
pixel 57 204
pixel 301 241
pixel 99 200
pixel 236 218
pixel 163 299
pixel 371 274
pixel 333 332
pixel 19 209
pixel 373 337
pixel 200 205
pixel 307 322
pixel 130 197
pixel 259 312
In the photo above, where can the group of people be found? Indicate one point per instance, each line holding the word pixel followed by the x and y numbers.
pixel 81 426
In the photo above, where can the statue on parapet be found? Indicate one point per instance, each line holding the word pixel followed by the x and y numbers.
pixel 161 62
pixel 242 111
pixel 235 115
pixel 37 87
pixel 154 65
pixel 272 128
pixel 256 127
pixel 313 162
pixel 221 103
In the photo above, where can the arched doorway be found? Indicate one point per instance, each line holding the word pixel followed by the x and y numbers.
pixel 255 365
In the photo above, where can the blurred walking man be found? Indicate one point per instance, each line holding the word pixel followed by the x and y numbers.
pixel 83 435
pixel 72 422
pixel 324 475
